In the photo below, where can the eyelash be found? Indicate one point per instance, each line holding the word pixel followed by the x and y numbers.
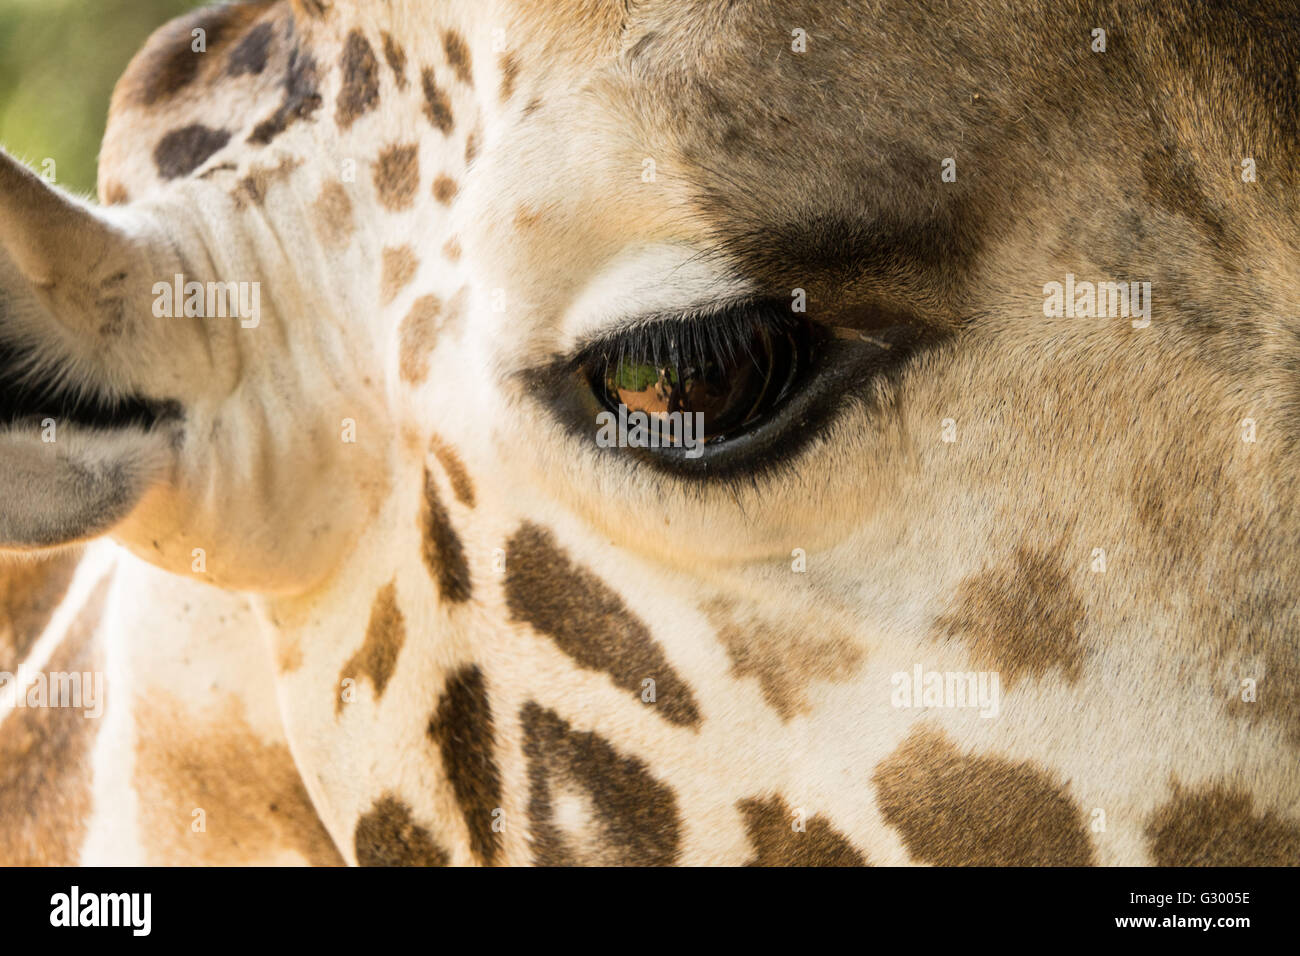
pixel 690 337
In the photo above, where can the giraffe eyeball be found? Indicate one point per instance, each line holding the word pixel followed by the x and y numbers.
pixel 728 373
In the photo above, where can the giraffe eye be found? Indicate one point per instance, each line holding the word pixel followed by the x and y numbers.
pixel 727 372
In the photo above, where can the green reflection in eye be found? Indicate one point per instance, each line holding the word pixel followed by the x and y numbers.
pixel 636 376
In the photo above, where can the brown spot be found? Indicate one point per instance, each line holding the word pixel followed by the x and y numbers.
pixel 462 728
pixel 169 62
pixel 785 656
pixel 115 193
pixel 437 106
pixel 455 469
pixel 1278 692
pixel 451 249
pixel 1216 826
pixel 1173 520
pixel 288 652
pixel 250 56
pixel 45 769
pixel 332 213
pixel 770 825
pixel 301 100
pixel 311 9
pixel 397 176
pixel 360 91
pixel 444 189
pixel 532 106
pixel 471 144
pixel 1022 618
pixel 1169 173
pixel 590 622
pixel 1247 631
pixel 184 150
pixel 385 635
pixel 396 58
pixel 388 836
pixel 453 316
pixel 418 335
pixel 953 809
pixel 588 804
pixel 30 592
pixel 249 789
pixel 252 189
pixel 527 216
pixel 444 555
pixel 509 65
pixel 399 268
pixel 457 50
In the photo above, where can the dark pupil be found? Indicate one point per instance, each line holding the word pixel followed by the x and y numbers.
pixel 728 392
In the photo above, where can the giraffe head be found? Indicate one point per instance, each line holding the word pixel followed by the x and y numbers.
pixel 984 328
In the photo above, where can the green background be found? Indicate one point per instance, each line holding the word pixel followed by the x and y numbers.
pixel 59 60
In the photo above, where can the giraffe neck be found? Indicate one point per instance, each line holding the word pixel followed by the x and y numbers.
pixel 166 747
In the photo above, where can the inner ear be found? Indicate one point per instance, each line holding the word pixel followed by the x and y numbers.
pixel 70 483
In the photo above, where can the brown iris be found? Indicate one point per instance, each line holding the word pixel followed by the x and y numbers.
pixel 731 380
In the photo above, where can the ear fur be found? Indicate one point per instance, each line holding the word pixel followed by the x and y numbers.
pixel 61 269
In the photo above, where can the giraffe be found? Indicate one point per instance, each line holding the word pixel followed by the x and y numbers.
pixel 366 589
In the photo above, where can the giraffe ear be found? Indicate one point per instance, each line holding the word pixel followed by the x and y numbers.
pixel 76 488
pixel 77 449
pixel 58 257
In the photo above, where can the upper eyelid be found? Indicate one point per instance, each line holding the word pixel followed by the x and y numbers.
pixel 632 327
pixel 645 284
pixel 606 340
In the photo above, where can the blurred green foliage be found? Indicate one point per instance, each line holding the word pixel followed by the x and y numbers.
pixel 59 60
